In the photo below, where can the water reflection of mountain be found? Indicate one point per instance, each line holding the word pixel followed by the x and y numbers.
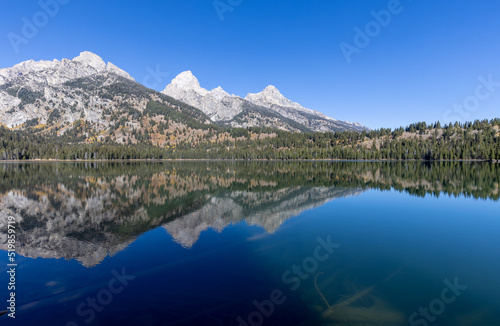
pixel 88 211
pixel 58 224
pixel 266 209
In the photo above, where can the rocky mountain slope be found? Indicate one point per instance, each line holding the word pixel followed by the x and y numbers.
pixel 33 90
pixel 90 100
pixel 268 108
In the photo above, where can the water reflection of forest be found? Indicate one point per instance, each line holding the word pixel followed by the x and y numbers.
pixel 85 211
pixel 479 180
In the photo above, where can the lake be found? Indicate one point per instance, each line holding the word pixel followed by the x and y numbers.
pixel 251 243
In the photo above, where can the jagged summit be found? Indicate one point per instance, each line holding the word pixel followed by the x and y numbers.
pixel 219 93
pixel 186 79
pixel 91 59
pixel 87 56
pixel 33 73
pixel 272 96
pixel 271 89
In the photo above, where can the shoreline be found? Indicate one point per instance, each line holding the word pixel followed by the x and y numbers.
pixel 242 160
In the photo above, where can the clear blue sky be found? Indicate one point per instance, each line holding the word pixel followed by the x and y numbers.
pixel 427 59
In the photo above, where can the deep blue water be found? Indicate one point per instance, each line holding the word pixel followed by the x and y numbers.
pixel 393 260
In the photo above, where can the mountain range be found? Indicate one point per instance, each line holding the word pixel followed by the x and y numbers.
pixel 53 96
pixel 268 108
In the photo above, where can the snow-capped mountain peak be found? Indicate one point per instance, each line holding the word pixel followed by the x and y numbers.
pixel 270 92
pixel 186 80
pixel 186 87
pixel 91 59
pixel 271 89
pixel 219 93
pixel 272 96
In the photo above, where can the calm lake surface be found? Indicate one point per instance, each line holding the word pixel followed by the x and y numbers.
pixel 252 243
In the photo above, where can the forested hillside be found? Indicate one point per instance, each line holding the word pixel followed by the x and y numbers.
pixel 479 140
